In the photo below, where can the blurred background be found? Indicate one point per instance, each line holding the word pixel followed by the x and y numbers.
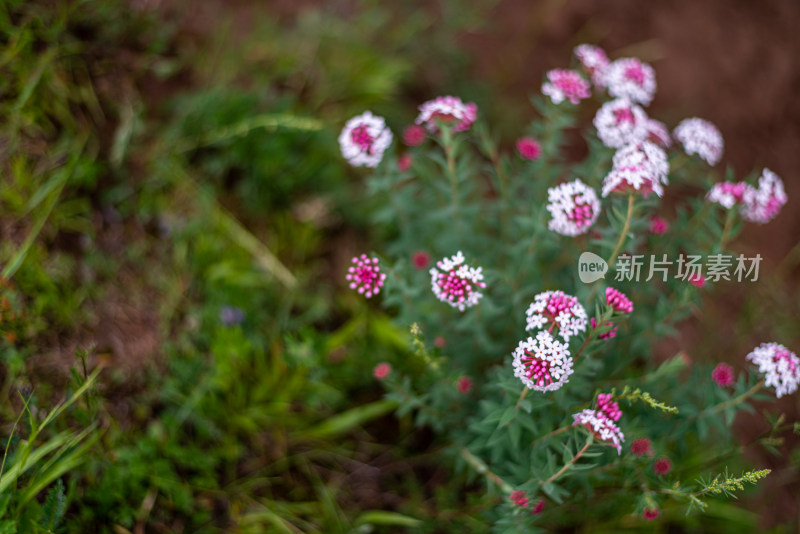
pixel 175 211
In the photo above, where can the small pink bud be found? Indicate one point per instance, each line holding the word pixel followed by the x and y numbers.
pixel 662 466
pixel 414 135
pixel 464 385
pixel 528 148
pixel 382 370
pixel 420 259
pixel 722 375
pixel 404 162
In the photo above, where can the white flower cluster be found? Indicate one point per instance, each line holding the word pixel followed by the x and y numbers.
pixel 543 363
pixel 573 206
pixel 601 426
pixel 555 308
pixel 641 167
pixel 780 367
pixel 454 282
pixel 763 204
pixel 447 109
pixel 594 61
pixel 620 123
pixel 364 139
pixel 700 137
pixel 631 79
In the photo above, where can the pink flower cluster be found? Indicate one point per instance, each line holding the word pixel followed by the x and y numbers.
pixel 640 167
pixel 565 84
pixel 543 363
pixel 700 137
pixel 780 367
pixel 364 140
pixel 573 207
pixel 529 149
pixel 556 309
pixel 594 61
pixel 456 283
pixel 448 110
pixel 722 375
pixel 620 122
pixel 602 427
pixel 763 204
pixel 617 300
pixel 607 335
pixel 521 500
pixel 631 79
pixel 641 446
pixel 608 407
pixel 365 275
pixel 658 226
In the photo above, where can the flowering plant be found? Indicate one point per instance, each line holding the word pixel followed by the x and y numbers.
pixel 566 400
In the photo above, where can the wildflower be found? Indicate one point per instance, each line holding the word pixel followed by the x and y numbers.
pixel 620 123
pixel 574 208
pixel 565 84
pixel 439 342
pixel 728 194
pixel 528 148
pixel 420 259
pixel 650 513
pixel 365 276
pixel 608 407
pixel 658 133
pixel 364 139
pixel 542 364
pixel 617 300
pixel 658 226
pixel 594 61
pixel 763 204
pixel 641 167
pixel 697 280
pixel 519 498
pixel 456 283
pixel 601 427
pixel 414 135
pixel 557 309
pixel 632 80
pixel 231 315
pixel 641 446
pixel 662 466
pixel 537 509
pixel 700 137
pixel 404 162
pixel 448 110
pixel 780 367
pixel 382 370
pixel 606 335
pixel 722 375
pixel 464 385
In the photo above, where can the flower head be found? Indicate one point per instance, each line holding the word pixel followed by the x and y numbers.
pixel 519 498
pixel 543 363
pixel 658 133
pixel 448 110
pixel 574 208
pixel 365 275
pixel 763 204
pixel 658 226
pixel 565 84
pixel 641 167
pixel 600 426
pixel 464 385
pixel 528 148
pixel 617 300
pixel 382 370
pixel 728 194
pixel 640 446
pixel 364 139
pixel 722 375
pixel 697 280
pixel 780 367
pixel 632 80
pixel 662 466
pixel 700 137
pixel 557 309
pixel 538 507
pixel 608 407
pixel 620 123
pixel 456 282
pixel 650 513
pixel 594 61
pixel 606 335
pixel 420 259
pixel 414 135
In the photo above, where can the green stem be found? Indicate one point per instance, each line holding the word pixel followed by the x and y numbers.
pixel 481 468
pixel 734 401
pixel 625 229
pixel 567 465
